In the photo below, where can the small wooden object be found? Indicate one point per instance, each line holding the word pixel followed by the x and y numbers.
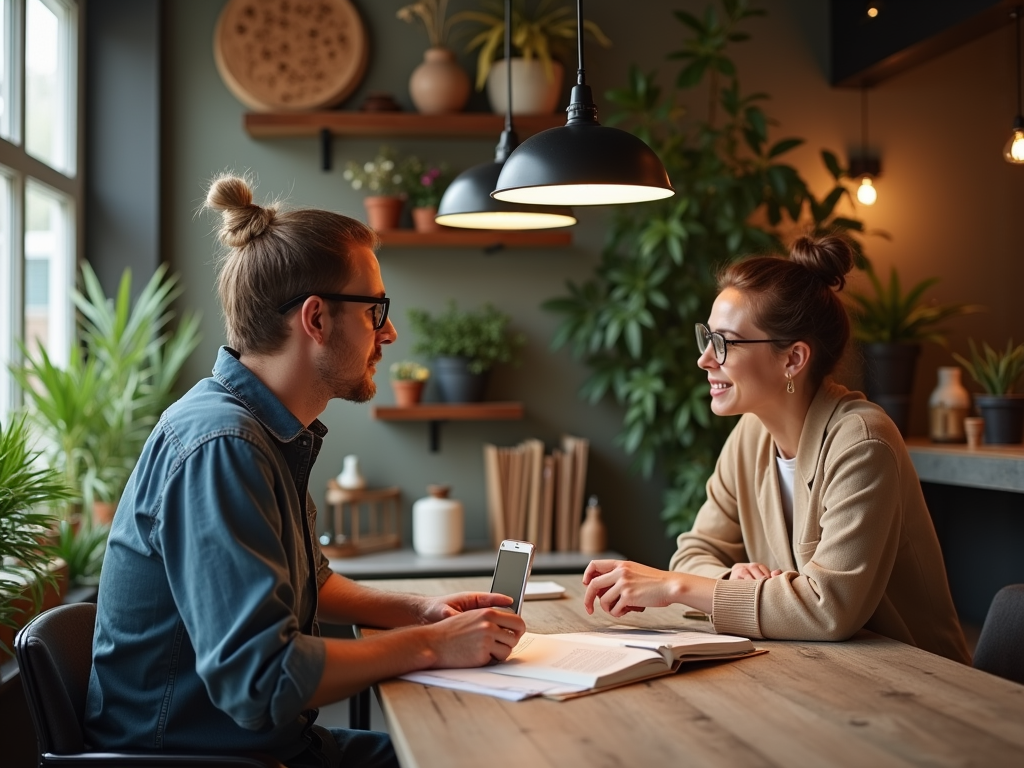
pixel 365 520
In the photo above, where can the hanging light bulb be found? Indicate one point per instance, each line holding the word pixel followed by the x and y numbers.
pixel 1013 152
pixel 467 203
pixel 583 162
pixel 866 192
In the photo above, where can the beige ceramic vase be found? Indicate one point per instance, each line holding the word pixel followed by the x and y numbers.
pixel 439 85
pixel 533 92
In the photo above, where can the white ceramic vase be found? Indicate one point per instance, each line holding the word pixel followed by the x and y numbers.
pixel 351 478
pixel 437 523
pixel 439 85
pixel 948 406
pixel 532 92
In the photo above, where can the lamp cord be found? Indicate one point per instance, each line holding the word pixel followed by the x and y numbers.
pixel 864 121
pixel 508 65
pixel 581 77
pixel 1016 14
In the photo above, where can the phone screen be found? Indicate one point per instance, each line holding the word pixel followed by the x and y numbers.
pixel 510 575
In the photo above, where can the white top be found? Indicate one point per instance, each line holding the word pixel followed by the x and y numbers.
pixel 787 469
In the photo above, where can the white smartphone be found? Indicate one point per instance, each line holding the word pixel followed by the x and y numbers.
pixel 512 571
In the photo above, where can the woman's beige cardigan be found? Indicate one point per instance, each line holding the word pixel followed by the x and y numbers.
pixel 863 552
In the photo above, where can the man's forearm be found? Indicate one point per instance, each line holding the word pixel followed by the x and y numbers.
pixel 342 601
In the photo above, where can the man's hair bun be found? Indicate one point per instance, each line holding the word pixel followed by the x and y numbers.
pixel 241 220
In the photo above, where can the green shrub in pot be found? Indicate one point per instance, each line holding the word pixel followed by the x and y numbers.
pixel 998 374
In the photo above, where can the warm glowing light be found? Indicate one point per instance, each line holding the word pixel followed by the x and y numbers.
pixel 866 192
pixel 582 194
pixel 1013 152
pixel 505 220
pixel 872 11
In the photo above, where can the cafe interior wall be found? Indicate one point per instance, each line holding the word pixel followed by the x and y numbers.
pixel 948 201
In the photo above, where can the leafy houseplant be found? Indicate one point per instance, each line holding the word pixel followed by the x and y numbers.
pixel 891 326
pixel 540 32
pixel 998 374
pixel 96 413
pixel 632 321
pixel 424 183
pixel 29 491
pixel 465 345
pixel 380 179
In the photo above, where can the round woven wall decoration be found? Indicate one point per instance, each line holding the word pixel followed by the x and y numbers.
pixel 290 55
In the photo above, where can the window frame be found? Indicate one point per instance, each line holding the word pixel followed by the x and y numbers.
pixel 19 166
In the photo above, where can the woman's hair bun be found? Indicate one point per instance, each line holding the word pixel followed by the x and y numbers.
pixel 829 257
pixel 241 220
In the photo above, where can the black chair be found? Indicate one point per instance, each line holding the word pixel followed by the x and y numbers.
pixel 1000 648
pixel 54 653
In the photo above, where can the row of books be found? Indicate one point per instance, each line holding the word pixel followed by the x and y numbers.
pixel 537 496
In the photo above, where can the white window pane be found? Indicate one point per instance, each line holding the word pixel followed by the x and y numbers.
pixel 6 74
pixel 48 90
pixel 48 273
pixel 9 300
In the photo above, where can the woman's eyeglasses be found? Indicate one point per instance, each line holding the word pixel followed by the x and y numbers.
pixel 380 310
pixel 705 337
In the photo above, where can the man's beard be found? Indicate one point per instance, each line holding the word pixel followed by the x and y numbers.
pixel 358 389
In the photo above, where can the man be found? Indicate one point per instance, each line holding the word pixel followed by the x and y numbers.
pixel 213 583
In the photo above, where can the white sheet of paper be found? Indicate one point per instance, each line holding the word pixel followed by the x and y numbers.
pixel 543 590
pixel 489 683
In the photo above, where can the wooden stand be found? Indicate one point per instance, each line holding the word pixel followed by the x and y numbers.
pixel 372 524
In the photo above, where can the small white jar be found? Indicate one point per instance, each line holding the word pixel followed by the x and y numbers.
pixel 351 477
pixel 437 523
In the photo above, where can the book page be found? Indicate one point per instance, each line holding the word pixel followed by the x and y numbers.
pixel 568 659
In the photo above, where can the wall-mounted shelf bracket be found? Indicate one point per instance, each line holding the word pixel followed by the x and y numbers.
pixel 436 413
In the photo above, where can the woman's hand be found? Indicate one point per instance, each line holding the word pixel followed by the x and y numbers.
pixel 439 608
pixel 621 586
pixel 753 571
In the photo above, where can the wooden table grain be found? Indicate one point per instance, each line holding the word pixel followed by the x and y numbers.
pixel 870 701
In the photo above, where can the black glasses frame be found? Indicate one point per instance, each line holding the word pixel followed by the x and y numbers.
pixel 714 337
pixel 381 301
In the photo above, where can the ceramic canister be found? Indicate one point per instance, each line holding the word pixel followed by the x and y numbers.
pixel 948 406
pixel 437 523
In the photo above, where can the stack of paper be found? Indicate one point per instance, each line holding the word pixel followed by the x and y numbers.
pixel 537 497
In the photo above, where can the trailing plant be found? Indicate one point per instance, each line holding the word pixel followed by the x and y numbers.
pixel 890 316
pixel 996 372
pixel 632 321
pixel 482 336
pixel 542 31
pixel 29 490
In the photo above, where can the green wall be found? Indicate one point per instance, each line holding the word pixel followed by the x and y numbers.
pixel 946 199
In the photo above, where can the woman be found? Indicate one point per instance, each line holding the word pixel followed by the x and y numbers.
pixel 814 525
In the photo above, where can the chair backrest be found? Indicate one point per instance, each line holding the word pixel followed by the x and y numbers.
pixel 54 653
pixel 1000 648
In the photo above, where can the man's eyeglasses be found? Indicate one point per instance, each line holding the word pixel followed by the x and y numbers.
pixel 705 337
pixel 380 310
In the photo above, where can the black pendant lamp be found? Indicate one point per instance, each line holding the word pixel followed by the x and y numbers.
pixel 467 203
pixel 583 162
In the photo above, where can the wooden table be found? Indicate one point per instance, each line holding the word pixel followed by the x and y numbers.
pixel 869 701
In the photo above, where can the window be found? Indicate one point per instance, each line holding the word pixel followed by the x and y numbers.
pixel 40 182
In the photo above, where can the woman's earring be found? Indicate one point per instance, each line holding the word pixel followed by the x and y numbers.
pixel 789 383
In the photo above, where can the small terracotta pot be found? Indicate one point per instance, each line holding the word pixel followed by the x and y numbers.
pixel 383 212
pixel 103 512
pixel 423 219
pixel 407 392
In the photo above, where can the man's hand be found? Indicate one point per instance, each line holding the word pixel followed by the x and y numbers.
pixel 440 608
pixel 474 638
pixel 753 571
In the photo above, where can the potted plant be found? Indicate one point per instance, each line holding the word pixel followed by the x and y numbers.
pixel 96 412
pixel 424 184
pixel 407 381
pixel 541 31
pixel 381 180
pixel 891 327
pixel 998 373
pixel 439 85
pixel 465 345
pixel 30 492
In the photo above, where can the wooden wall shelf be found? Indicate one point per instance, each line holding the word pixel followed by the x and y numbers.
pixel 435 413
pixel 266 125
pixel 480 238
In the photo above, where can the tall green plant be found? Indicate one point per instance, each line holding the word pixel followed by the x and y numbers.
pixel 28 491
pixel 96 412
pixel 632 322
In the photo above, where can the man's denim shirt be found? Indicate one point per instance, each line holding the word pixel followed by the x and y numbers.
pixel 205 630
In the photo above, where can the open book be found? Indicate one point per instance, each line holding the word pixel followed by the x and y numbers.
pixel 568 665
